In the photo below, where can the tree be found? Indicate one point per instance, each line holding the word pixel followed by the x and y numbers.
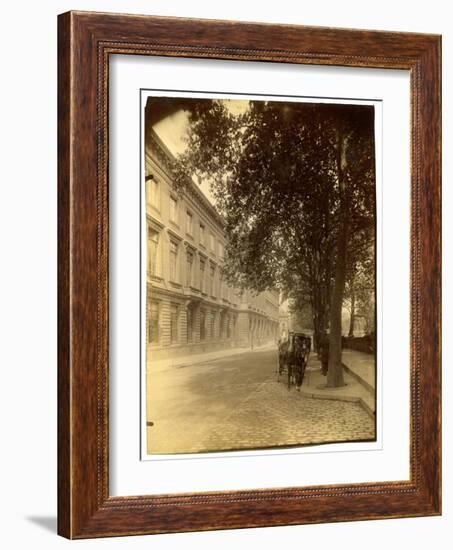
pixel 293 182
pixel 355 173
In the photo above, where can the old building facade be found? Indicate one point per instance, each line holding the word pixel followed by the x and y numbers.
pixel 190 307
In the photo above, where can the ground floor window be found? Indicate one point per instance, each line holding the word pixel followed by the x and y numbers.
pixel 154 323
pixel 222 324
pixel 202 324
pixel 173 323
pixel 228 327
pixel 212 325
pixel 189 324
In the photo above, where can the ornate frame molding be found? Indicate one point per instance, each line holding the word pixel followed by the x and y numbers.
pixel 86 40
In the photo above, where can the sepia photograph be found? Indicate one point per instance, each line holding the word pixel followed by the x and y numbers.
pixel 260 272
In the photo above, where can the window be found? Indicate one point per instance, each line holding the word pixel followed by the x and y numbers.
pixel 189 266
pixel 173 209
pixel 222 324
pixel 189 324
pixel 221 250
pixel 224 290
pixel 189 227
pixel 173 261
pixel 202 235
pixel 173 323
pixel 211 280
pixel 152 186
pixel 153 246
pixel 202 324
pixel 220 284
pixel 212 242
pixel 202 270
pixel 154 323
pixel 213 325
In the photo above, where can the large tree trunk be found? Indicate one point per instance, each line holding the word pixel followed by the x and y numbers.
pixel 317 331
pixel 335 373
pixel 352 318
pixel 320 313
pixel 335 376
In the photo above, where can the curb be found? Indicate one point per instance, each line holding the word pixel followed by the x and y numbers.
pixel 359 379
pixel 347 398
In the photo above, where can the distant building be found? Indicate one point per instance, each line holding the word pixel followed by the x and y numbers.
pixel 190 307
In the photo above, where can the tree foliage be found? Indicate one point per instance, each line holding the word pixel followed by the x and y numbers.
pixel 294 182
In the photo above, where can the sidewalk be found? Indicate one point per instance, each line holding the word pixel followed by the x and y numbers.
pixel 361 366
pixel 359 377
pixel 199 358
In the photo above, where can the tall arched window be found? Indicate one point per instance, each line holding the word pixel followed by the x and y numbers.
pixel 153 250
pixel 152 192
pixel 189 268
pixel 173 261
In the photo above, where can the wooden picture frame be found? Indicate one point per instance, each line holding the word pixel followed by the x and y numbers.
pixel 85 42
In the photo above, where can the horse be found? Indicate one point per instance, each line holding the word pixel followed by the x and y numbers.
pixel 283 347
pixel 293 357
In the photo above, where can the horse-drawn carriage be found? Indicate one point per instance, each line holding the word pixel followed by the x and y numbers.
pixel 293 353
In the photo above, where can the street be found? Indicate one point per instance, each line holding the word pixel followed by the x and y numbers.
pixel 235 402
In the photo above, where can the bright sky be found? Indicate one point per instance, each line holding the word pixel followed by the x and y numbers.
pixel 173 128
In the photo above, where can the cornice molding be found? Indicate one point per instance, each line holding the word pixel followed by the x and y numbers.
pixel 162 156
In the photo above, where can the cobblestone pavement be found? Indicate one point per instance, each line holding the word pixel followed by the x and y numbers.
pixel 273 417
pixel 237 403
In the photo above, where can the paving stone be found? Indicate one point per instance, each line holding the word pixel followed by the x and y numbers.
pixel 270 416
